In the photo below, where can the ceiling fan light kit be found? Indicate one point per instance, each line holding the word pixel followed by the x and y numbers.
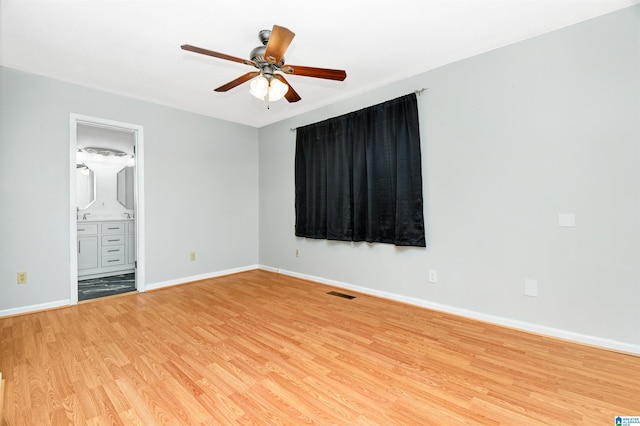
pixel 261 87
pixel 277 90
pixel 269 59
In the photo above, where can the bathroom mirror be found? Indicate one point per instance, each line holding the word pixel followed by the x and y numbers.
pixel 85 186
pixel 124 184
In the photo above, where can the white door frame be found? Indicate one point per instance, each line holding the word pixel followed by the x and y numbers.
pixel 74 120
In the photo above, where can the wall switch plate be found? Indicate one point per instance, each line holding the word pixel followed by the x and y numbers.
pixel 531 288
pixel 433 276
pixel 297 252
pixel 22 277
pixel 192 256
pixel 567 220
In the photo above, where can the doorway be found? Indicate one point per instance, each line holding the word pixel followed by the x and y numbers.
pixel 106 207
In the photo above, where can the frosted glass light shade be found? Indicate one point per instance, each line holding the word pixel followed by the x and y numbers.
pixel 277 90
pixel 259 87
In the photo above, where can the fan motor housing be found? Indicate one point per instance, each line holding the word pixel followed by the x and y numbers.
pixel 264 36
pixel 257 56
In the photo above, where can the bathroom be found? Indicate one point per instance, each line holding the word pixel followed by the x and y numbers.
pixel 106 249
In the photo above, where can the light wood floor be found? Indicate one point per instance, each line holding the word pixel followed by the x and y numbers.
pixel 261 348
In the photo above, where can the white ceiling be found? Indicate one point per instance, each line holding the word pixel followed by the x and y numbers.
pixel 132 47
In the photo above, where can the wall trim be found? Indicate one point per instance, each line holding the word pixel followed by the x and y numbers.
pixel 75 120
pixel 35 308
pixel 493 319
pixel 67 302
pixel 185 280
pixel 269 269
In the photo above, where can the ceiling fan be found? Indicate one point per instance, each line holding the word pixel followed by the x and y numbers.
pixel 269 59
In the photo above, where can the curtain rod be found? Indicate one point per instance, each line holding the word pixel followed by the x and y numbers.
pixel 417 92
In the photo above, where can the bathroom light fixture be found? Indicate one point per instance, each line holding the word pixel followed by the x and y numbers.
pixel 103 155
pixel 107 152
pixel 274 88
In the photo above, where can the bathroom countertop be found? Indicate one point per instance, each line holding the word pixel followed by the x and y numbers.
pixel 104 218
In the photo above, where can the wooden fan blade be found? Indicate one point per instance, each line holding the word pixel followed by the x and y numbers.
pixel 216 54
pixel 279 41
pixel 238 81
pixel 291 95
pixel 327 73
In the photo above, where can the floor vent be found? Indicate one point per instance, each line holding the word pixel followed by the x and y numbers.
pixel 346 296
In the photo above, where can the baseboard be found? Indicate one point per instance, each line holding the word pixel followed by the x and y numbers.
pixel 184 280
pixel 493 319
pixel 62 303
pixel 35 308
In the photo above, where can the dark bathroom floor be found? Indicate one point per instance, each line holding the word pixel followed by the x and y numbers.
pixel 107 286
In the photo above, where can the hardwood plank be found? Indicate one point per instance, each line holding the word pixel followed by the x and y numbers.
pixel 262 348
pixel 2 387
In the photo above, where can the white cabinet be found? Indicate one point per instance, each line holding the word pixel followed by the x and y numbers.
pixel 87 253
pixel 87 246
pixel 105 248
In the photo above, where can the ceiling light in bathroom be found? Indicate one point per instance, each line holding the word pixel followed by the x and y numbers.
pixel 107 152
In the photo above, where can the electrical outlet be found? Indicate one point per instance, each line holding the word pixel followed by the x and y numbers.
pixel 297 252
pixel 22 277
pixel 433 276
pixel 192 256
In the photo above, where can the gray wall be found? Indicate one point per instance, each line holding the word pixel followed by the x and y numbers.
pixel 201 189
pixel 511 139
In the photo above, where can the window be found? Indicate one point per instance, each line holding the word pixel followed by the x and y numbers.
pixel 358 176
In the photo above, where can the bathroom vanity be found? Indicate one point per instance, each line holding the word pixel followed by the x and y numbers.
pixel 106 248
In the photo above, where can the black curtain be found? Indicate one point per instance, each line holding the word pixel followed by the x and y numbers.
pixel 359 178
